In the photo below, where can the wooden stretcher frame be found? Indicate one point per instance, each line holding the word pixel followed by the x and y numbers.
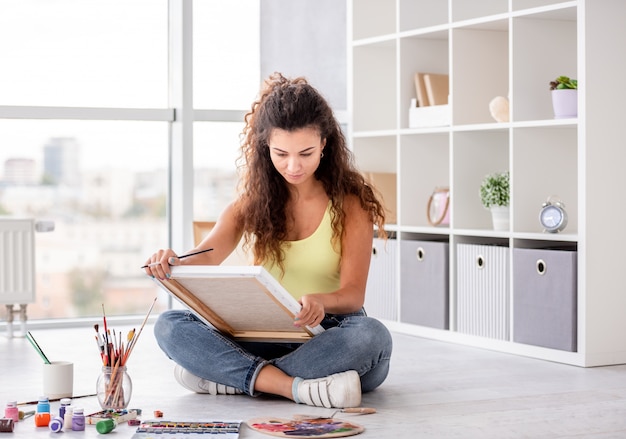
pixel 244 302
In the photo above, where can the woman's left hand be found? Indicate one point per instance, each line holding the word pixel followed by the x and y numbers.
pixel 312 312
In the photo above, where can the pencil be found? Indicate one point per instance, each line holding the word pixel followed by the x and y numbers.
pixel 179 257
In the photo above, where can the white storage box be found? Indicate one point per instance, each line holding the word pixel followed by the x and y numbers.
pixel 381 298
pixel 483 290
pixel 430 116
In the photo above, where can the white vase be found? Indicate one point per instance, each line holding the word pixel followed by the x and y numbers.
pixel 500 217
pixel 565 103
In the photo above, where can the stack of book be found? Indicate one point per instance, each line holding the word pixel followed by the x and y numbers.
pixel 430 109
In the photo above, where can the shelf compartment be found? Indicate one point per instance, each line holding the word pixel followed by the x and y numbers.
pixel 480 72
pixel 412 14
pixel 375 154
pixel 424 54
pixel 464 10
pixel 475 154
pixel 424 166
pixel 543 48
pixel 530 4
pixel 371 18
pixel 374 87
pixel 544 163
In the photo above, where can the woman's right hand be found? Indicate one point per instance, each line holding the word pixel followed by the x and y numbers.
pixel 158 265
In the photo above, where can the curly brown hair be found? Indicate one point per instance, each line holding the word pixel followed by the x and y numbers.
pixel 292 104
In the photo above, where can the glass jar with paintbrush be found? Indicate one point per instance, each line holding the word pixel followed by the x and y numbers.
pixel 114 386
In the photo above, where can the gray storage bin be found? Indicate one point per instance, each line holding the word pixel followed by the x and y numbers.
pixel 483 290
pixel 424 283
pixel 544 298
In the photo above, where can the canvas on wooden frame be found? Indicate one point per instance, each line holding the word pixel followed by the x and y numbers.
pixel 244 302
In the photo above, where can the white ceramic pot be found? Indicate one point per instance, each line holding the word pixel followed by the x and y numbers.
pixel 500 217
pixel 565 103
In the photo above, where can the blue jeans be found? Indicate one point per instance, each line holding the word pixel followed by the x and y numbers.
pixel 350 342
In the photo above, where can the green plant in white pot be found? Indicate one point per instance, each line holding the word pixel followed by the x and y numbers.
pixel 495 196
pixel 564 97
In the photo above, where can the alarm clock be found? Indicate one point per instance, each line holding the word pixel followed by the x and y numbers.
pixel 553 216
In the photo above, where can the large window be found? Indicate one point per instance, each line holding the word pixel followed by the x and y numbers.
pixel 226 77
pixel 86 132
pixel 80 53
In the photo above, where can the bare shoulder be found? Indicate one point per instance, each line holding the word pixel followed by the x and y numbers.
pixel 355 213
pixel 229 218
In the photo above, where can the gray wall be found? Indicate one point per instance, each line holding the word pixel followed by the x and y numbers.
pixel 307 38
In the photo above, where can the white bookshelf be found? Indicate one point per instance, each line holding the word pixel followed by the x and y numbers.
pixel 505 48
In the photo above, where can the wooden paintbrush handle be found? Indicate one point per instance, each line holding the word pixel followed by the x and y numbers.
pixel 360 410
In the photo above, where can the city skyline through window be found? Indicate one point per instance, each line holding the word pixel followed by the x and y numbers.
pixel 104 183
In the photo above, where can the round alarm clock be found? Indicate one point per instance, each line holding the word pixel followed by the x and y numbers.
pixel 553 216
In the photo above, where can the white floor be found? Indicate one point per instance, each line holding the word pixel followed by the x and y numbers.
pixel 435 390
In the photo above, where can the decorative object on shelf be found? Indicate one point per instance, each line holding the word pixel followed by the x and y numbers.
pixel 553 217
pixel 499 108
pixel 564 97
pixel 438 211
pixel 495 196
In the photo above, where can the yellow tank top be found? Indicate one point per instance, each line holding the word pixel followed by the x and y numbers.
pixel 311 264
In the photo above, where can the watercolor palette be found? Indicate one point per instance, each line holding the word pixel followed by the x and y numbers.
pixel 187 430
pixel 305 428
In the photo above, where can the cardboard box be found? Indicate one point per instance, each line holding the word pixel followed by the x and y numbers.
pixel 385 183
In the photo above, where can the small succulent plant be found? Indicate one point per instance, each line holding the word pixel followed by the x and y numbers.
pixel 564 83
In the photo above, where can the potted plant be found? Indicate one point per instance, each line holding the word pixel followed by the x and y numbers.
pixel 564 97
pixel 495 196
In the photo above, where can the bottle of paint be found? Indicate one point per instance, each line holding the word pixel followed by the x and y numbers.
pixel 78 419
pixel 42 414
pixel 64 403
pixel 56 425
pixel 11 411
pixel 105 426
pixel 6 425
pixel 67 418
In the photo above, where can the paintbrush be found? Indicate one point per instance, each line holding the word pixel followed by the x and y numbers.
pixel 36 401
pixel 179 257
pixel 32 341
pixel 352 410
pixel 133 341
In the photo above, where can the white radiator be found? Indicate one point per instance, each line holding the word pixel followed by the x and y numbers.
pixel 17 265
pixel 483 290
pixel 17 261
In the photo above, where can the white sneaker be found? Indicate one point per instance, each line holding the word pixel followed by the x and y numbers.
pixel 199 385
pixel 334 391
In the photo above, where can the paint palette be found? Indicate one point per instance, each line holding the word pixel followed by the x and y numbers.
pixel 305 427
pixel 187 430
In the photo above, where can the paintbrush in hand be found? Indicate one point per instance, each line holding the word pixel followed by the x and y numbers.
pixel 179 257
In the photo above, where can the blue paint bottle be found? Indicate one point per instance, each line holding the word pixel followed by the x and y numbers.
pixel 64 403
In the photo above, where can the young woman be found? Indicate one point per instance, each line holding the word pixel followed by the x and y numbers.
pixel 308 217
